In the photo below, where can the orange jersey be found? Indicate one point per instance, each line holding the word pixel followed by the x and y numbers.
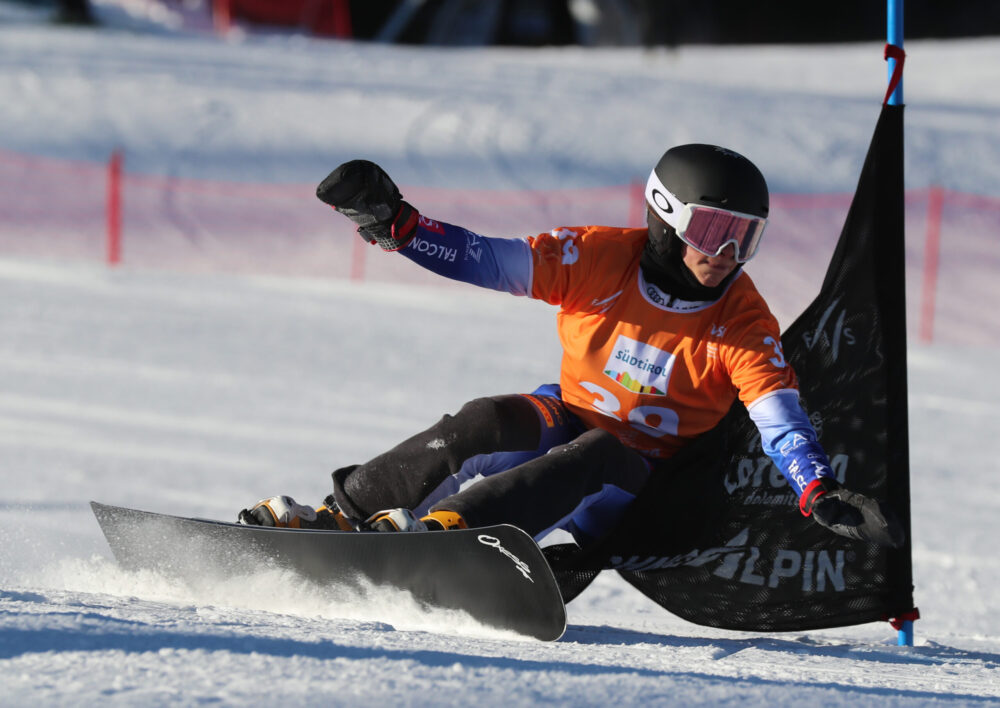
pixel 654 373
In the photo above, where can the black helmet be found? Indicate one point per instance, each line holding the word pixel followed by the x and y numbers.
pixel 708 196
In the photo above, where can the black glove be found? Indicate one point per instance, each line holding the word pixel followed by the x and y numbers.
pixel 855 516
pixel 365 194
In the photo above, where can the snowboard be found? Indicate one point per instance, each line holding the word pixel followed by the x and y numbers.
pixel 496 574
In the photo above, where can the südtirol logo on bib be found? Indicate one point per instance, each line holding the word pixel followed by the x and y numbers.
pixel 639 367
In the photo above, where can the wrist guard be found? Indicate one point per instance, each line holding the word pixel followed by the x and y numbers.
pixel 816 489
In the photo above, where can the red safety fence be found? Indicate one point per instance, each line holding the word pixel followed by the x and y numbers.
pixel 325 18
pixel 57 209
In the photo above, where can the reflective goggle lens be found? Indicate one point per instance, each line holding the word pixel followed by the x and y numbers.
pixel 710 230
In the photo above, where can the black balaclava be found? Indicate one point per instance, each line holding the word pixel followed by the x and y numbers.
pixel 663 265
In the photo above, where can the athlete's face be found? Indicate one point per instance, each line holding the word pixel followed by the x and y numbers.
pixel 710 270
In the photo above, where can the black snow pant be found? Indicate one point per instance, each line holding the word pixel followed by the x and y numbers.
pixel 518 459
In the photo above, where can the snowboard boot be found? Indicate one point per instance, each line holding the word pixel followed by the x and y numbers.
pixel 444 521
pixel 404 520
pixel 394 520
pixel 285 512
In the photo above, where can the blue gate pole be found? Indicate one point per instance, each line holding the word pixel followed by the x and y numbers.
pixel 894 36
pixel 905 637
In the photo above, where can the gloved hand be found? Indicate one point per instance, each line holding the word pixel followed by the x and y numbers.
pixel 853 515
pixel 365 194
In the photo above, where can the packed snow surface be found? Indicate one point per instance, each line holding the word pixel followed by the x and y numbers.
pixel 198 394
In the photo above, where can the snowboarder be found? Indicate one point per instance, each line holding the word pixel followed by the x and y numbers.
pixel 661 330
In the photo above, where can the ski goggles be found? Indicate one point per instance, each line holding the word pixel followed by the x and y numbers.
pixel 706 229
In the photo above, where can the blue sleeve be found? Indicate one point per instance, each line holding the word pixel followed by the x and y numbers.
pixel 789 439
pixel 460 254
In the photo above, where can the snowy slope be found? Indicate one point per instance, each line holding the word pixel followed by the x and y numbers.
pixel 199 394
pixel 285 109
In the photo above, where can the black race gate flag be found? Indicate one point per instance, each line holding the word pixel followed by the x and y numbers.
pixel 718 539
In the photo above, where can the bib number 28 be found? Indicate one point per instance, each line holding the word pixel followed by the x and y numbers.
pixel 651 420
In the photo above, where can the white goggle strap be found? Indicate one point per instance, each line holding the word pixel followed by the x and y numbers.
pixel 663 203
